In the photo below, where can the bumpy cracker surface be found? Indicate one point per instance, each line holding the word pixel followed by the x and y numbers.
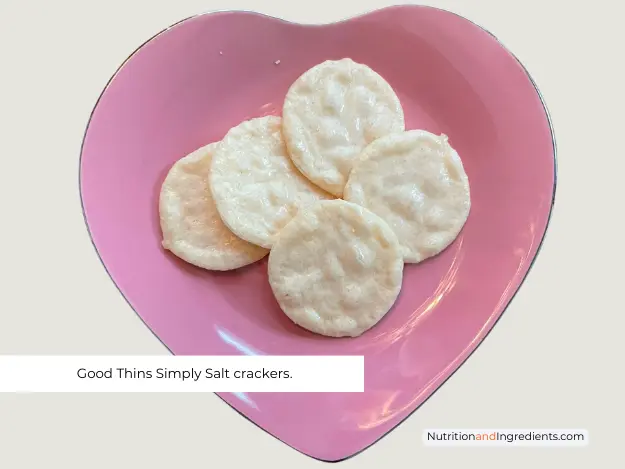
pixel 336 269
pixel 416 182
pixel 256 187
pixel 191 226
pixel 331 113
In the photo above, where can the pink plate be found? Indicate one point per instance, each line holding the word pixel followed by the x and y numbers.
pixel 189 84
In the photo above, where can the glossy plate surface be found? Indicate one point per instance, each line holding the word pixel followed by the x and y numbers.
pixel 188 85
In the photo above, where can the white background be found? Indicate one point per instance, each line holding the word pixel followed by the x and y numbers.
pixel 550 362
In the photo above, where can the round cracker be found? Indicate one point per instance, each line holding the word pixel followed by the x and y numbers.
pixel 256 187
pixel 416 182
pixel 336 269
pixel 331 113
pixel 191 226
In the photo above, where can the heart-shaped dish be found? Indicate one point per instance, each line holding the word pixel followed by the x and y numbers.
pixel 189 84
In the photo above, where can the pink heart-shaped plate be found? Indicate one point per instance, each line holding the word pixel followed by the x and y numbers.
pixel 189 84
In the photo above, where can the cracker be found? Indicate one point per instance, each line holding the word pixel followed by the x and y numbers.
pixel 191 226
pixel 331 113
pixel 416 182
pixel 336 269
pixel 256 187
